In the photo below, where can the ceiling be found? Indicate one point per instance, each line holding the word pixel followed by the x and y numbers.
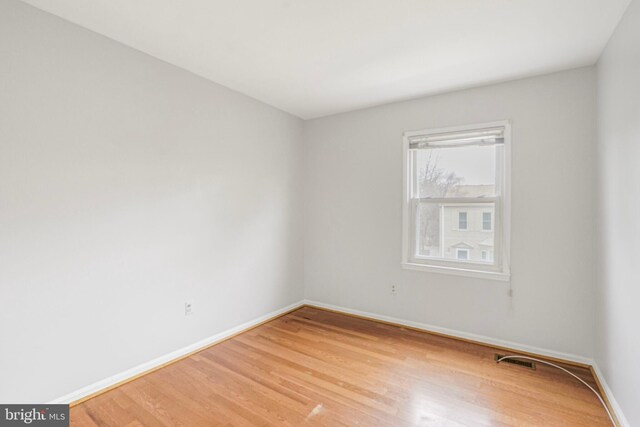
pixel 318 57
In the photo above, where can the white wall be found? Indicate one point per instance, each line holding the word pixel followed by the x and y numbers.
pixel 618 339
pixel 353 224
pixel 128 186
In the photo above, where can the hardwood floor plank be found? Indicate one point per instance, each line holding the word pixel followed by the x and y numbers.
pixel 315 367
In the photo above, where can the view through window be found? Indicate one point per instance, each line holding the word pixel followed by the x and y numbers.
pixel 456 198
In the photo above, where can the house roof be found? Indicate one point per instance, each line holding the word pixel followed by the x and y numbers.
pixel 471 191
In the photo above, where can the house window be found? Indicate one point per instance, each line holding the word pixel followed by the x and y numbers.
pixel 487 256
pixel 462 220
pixel 486 221
pixel 462 254
pixel 457 183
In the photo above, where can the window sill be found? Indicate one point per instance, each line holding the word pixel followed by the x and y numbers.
pixel 492 275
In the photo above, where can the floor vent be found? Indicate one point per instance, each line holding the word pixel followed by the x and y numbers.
pixel 524 363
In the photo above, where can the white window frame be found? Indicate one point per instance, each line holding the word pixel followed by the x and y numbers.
pixel 490 221
pixel 502 213
pixel 458 250
pixel 466 221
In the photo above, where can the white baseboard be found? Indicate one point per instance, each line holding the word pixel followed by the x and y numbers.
pixel 612 400
pixel 137 370
pixel 459 334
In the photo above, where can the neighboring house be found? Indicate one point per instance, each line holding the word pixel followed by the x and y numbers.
pixel 466 230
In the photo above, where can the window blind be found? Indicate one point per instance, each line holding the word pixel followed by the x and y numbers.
pixel 490 136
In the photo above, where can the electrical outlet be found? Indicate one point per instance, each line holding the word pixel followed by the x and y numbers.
pixel 188 308
pixel 394 289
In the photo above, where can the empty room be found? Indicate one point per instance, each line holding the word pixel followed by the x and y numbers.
pixel 329 213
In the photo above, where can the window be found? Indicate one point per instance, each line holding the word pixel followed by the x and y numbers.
pixel 456 208
pixel 487 255
pixel 462 220
pixel 462 254
pixel 486 221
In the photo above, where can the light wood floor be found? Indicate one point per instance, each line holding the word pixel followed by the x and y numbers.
pixel 313 367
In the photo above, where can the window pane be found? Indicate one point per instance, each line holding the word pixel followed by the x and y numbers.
pixel 462 220
pixel 441 236
pixel 428 230
pixel 455 172
pixel 486 221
